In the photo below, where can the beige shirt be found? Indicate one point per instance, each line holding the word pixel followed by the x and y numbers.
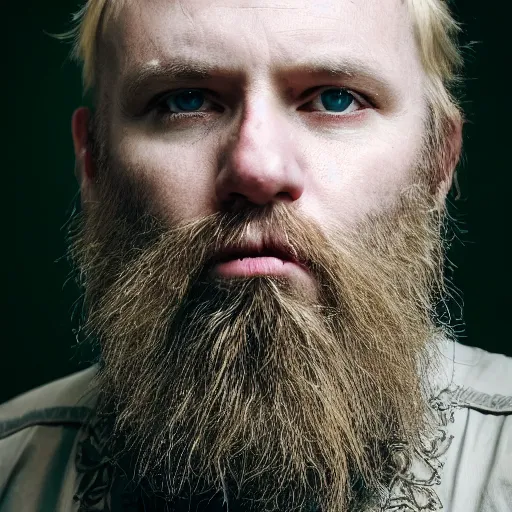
pixel 50 463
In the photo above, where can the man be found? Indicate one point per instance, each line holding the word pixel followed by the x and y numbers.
pixel 261 253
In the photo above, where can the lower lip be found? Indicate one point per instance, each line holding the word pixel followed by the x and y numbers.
pixel 247 267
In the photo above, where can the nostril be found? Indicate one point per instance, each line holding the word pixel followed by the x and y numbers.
pixel 235 202
pixel 284 196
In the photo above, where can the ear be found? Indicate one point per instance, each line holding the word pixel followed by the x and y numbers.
pixel 450 155
pixel 84 166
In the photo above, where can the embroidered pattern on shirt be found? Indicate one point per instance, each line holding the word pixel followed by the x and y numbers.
pixel 412 489
pixel 469 397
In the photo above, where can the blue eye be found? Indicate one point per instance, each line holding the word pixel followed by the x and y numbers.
pixel 189 101
pixel 186 101
pixel 336 100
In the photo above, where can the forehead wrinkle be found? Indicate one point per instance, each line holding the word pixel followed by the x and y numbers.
pixel 259 7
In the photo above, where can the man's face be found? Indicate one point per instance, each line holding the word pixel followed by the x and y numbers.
pixel 227 125
pixel 316 103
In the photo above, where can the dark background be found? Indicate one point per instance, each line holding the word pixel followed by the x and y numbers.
pixel 43 88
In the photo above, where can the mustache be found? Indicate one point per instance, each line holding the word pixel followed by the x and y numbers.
pixel 272 230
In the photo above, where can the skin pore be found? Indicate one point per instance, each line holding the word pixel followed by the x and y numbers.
pixel 232 126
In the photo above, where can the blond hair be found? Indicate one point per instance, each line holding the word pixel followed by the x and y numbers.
pixel 434 27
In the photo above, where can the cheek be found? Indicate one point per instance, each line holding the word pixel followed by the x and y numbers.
pixel 358 173
pixel 177 177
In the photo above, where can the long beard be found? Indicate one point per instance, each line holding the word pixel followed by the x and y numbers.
pixel 251 388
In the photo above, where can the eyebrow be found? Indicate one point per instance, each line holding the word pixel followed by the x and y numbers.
pixel 173 70
pixel 176 70
pixel 353 68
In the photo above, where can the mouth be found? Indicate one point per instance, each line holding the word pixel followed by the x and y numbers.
pixel 256 259
pixel 241 254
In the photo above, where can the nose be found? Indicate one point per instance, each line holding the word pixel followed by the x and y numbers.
pixel 260 163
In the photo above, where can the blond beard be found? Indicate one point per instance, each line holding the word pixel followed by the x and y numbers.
pixel 249 388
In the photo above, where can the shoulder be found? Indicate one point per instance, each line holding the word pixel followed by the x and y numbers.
pixel 478 424
pixel 483 380
pixel 39 431
pixel 67 400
